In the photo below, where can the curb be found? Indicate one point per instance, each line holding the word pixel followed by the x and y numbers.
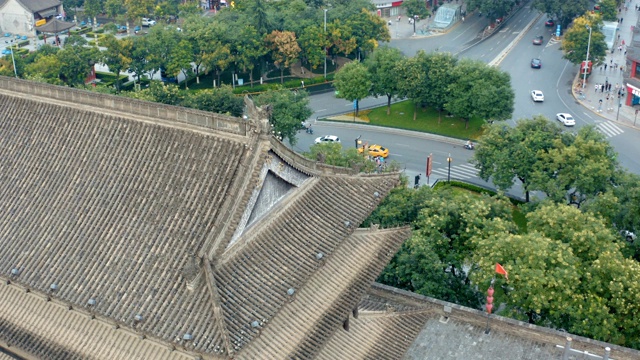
pixel 408 133
pixel 503 54
pixel 590 109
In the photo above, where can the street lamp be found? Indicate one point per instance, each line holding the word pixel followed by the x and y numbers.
pixel 13 59
pixel 358 141
pixel 449 160
pixel 325 48
pixel 620 96
pixel 586 63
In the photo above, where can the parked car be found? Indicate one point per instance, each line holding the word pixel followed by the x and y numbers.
pixel 537 95
pixel 536 63
pixel 148 22
pixel 549 22
pixel 327 139
pixel 375 150
pixel 565 119
pixel 538 40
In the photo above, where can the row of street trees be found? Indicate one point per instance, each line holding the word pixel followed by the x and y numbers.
pixel 249 37
pixel 465 88
pixel 569 268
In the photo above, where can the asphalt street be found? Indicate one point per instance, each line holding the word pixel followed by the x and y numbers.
pixel 512 49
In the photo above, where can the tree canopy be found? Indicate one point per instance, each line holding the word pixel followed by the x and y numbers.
pixel 576 40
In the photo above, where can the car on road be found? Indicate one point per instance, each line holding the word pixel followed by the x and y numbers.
pixel 327 139
pixel 537 95
pixel 538 40
pixel 536 63
pixel 148 22
pixel 375 150
pixel 565 119
pixel 549 22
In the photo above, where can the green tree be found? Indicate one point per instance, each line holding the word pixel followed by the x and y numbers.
pixel 493 9
pixel 435 260
pixel 566 272
pixel 438 77
pixel 256 10
pixel 508 153
pixel 92 8
pixel 288 110
pixel 341 38
pixel 353 83
pixel 137 9
pixel 368 29
pixel 577 37
pixel 180 61
pixel 400 207
pixel 411 80
pixel 480 90
pixel 220 100
pixel 335 154
pixel 415 8
pixel 161 42
pixel 250 48
pixel 76 60
pixel 140 64
pixel 117 55
pixel 284 49
pixel 313 42
pixel 382 69
pixel 169 94
pixel 608 10
pixel 577 168
pixel 562 10
pixel 45 68
pixel 114 8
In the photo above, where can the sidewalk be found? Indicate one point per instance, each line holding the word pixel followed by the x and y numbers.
pixel 596 101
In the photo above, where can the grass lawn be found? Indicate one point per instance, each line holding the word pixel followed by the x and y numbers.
pixel 427 121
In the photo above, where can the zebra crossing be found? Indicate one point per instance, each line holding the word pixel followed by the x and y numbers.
pixel 609 129
pixel 553 41
pixel 462 172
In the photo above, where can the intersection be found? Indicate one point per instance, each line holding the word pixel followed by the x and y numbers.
pixel 555 79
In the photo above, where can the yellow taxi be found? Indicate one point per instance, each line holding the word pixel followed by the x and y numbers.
pixel 375 150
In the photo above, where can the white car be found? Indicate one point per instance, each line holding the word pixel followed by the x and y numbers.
pixel 537 95
pixel 327 139
pixel 565 119
pixel 148 22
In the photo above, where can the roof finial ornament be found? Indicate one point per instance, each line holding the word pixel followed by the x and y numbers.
pixel 258 116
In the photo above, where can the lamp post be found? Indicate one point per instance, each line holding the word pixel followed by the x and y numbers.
pixel 586 63
pixel 449 160
pixel 325 48
pixel 620 96
pixel 358 141
pixel 13 59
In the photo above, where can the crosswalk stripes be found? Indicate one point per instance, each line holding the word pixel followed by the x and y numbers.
pixel 609 129
pixel 463 171
pixel 553 41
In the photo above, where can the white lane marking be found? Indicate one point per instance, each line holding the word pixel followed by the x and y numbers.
pixel 587 115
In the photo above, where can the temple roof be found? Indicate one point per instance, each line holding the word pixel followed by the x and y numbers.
pixel 181 239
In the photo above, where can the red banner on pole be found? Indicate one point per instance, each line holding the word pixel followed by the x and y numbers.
pixel 429 165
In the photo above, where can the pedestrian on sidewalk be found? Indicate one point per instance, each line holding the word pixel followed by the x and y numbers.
pixel 605 66
pixel 622 18
pixel 620 48
pixel 602 88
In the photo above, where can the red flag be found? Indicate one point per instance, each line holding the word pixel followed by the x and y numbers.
pixel 501 270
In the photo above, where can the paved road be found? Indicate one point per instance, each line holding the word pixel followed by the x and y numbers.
pixel 512 48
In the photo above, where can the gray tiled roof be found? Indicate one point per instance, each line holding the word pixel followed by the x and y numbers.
pixel 111 209
pixel 37 5
pixel 396 324
pixel 129 221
